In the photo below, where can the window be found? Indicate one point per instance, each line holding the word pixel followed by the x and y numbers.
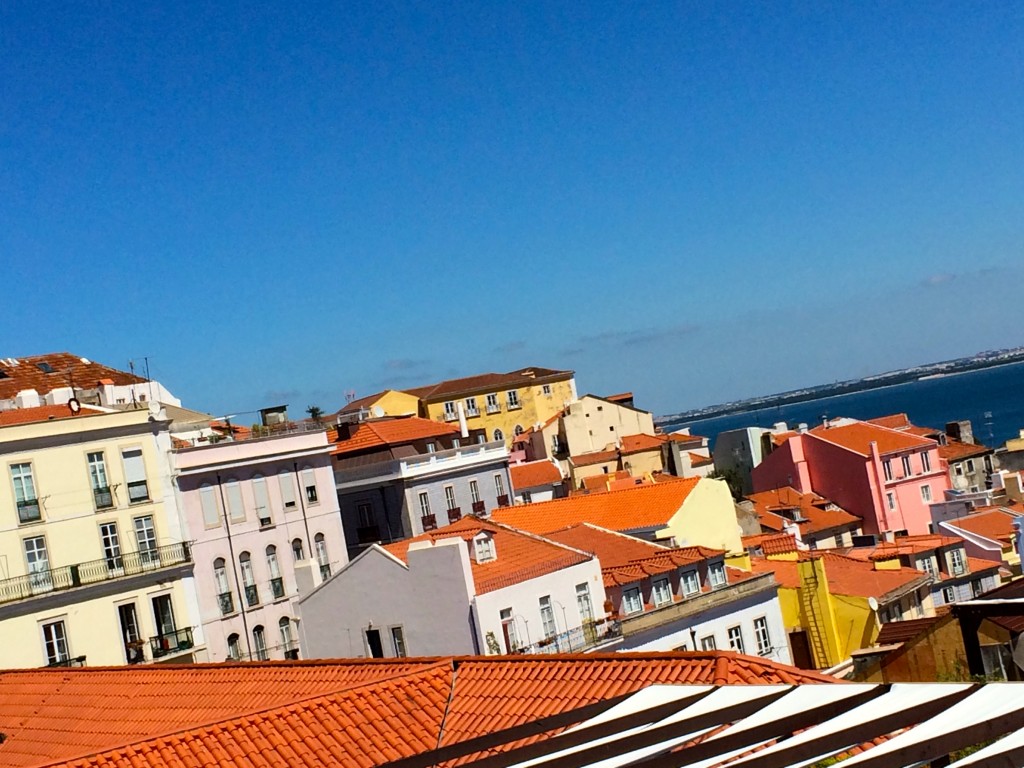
pixel 518 430
pixel 484 546
pixel 365 515
pixel 764 640
pixel 424 503
pixel 513 399
pixel 736 639
pixel 233 493
pixel 456 443
pixel 321 555
pixel 298 551
pixel 948 595
pixel 498 435
pixel 547 617
pixel 716 574
pixel 508 629
pixel 926 493
pixel 926 462
pixel 499 485
pixel 474 491
pixel 956 557
pixel 583 602
pixel 130 634
pixel 225 598
pixel 135 475
pixel 976 588
pixel 631 602
pixel 449 497
pixel 887 469
pixel 492 403
pixel 890 499
pixel 208 502
pixel 708 643
pixel 398 641
pixel 274 569
pixel 691 584
pixel 38 563
pixel 471 409
pixel 111 546
pixel 958 470
pixel 55 642
pixel 252 594
pixel 309 484
pixel 451 413
pixel 906 466
pixel 25 493
pixel 527 497
pixel 284 626
pixel 234 649
pixel 287 483
pixel 145 538
pixel 662 592
pixel 262 500
pixel 259 643
pixel 431 448
pixel 163 614
pixel 101 494
pixel 970 465
pixel 556 444
pixel 927 565
pixel 546 389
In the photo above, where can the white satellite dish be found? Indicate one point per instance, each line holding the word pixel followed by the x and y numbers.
pixel 873 604
pixel 377 411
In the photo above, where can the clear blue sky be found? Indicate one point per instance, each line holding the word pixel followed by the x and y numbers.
pixel 697 201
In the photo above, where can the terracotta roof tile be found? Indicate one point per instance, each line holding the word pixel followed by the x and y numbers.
pixel 993 524
pixel 893 421
pixel 638 507
pixel 895 632
pixel 377 433
pixel 907 545
pixel 596 457
pixel 524 377
pixel 611 548
pixel 858 436
pixel 533 474
pixel 641 442
pixel 779 544
pixel 954 450
pixel 700 460
pixel 520 556
pixel 820 514
pixel 603 482
pixel 43 413
pixel 846 575
pixel 65 367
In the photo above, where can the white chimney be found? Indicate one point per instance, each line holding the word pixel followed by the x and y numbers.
pixel 27 398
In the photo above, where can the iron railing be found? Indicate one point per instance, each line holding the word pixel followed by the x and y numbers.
pixel 76 661
pixel 226 600
pixel 103 498
pixel 454 515
pixel 171 642
pixel 493 408
pixel 580 638
pixel 277 588
pixel 28 511
pixel 503 500
pixel 252 595
pixel 93 572
pixel 429 522
pixel 367 534
pixel 479 506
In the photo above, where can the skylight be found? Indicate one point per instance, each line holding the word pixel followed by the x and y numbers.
pixel 45 367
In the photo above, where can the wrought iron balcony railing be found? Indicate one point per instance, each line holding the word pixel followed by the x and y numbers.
pixel 171 642
pixel 103 498
pixel 454 515
pixel 252 595
pixel 277 588
pixel 226 600
pixel 28 511
pixel 93 572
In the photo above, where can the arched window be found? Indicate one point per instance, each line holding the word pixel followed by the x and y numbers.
pixel 259 643
pixel 321 555
pixel 234 649
pixel 298 552
pixel 519 430
pixel 499 435
pixel 274 569
pixel 224 595
pixel 252 596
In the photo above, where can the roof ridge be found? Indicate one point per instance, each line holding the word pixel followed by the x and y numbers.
pixel 434 667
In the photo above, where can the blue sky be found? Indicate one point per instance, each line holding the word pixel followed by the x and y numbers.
pixel 695 201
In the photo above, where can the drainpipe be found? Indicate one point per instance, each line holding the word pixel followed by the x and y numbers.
pixel 234 566
pixel 302 506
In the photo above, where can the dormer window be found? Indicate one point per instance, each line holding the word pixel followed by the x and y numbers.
pixel 483 545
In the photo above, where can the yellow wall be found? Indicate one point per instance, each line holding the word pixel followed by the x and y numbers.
pixel 888 565
pixel 591 423
pixel 536 407
pixel 707 518
pixel 644 463
pixel 395 403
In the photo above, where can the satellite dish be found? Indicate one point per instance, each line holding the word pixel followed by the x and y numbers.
pixel 873 604
pixel 377 411
pixel 74 406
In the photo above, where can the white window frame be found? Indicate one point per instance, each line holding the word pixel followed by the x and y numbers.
pixel 547 617
pixel 499 484
pixel 926 462
pixel 583 602
pixel 471 407
pixel 474 491
pixel 969 465
pixel 958 565
pixel 661 590
pixel 708 643
pixel 287 486
pixel 948 595
pixel 233 496
pixel 926 493
pixel 887 469
pixel 762 636
pixel 449 497
pixel 546 389
pixel 209 505
pixel 424 499
pixel 735 635
pixel 512 398
pixel 716 575
pixel 907 469
pixel 309 486
pixel 56 648
pixel 690 583
pixel 629 607
pixel 132 465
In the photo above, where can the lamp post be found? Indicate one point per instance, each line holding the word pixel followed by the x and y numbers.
pixel 526 624
pixel 565 623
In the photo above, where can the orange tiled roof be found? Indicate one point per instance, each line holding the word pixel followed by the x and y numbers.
pixel 779 544
pixel 611 548
pixel 954 450
pixel 993 524
pixel 618 398
pixel 65 367
pixel 532 474
pixel 700 460
pixel 769 504
pixel 524 377
pixel 235 430
pixel 376 433
pixel 596 457
pixel 846 575
pixel 778 438
pixel 641 442
pixel 908 545
pixel 858 436
pixel 892 421
pixel 651 505
pixel 520 556
pixel 361 712
pixel 42 413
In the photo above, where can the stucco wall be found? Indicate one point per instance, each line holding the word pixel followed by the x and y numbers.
pixel 707 518
pixel 590 424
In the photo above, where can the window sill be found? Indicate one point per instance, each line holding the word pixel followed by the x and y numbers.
pixel 30 523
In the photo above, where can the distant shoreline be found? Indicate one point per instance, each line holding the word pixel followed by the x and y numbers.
pixel 824 392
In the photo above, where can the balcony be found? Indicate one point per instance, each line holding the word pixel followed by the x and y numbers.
pixel 277 588
pixel 252 596
pixel 454 515
pixel 227 603
pixel 103 498
pixel 471 412
pixel 503 500
pixel 429 522
pixel 479 507
pixel 325 571
pixel 367 534
pixel 513 406
pixel 172 642
pixel 451 415
pixel 28 511
pixel 93 572
pixel 493 408
pixel 77 661
pixel 138 491
pixel 589 635
pixel 291 651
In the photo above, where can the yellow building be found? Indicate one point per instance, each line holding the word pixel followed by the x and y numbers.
pixel 390 402
pixel 94 564
pixel 831 603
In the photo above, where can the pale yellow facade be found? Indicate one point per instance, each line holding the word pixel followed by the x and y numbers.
pixel 593 424
pixel 501 414
pixel 394 403
pixel 707 518
pixel 91 540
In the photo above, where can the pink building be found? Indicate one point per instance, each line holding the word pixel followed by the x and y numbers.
pixel 886 477
pixel 264 518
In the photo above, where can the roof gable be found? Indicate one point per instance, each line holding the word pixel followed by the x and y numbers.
pixel 64 369
pixel 858 436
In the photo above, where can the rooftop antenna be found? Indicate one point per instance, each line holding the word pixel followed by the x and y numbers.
pixel 131 367
pixel 350 395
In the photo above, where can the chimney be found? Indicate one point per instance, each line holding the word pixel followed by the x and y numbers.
pixel 27 398
pixel 960 430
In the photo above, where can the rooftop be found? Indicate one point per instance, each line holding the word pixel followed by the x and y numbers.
pixel 520 556
pixel 637 507
pixel 611 548
pixel 44 373
pixel 993 524
pixel 820 514
pixel 388 431
pixel 846 575
pixel 353 712
pixel 485 382
pixel 859 435
pixel 44 413
pixel 533 474
pixel 594 457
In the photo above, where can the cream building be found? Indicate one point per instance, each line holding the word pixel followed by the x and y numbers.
pixel 95 567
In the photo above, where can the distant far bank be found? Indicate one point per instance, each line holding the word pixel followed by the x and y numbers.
pixel 980 361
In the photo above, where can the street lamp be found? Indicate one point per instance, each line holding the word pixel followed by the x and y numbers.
pixel 565 623
pixel 526 624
